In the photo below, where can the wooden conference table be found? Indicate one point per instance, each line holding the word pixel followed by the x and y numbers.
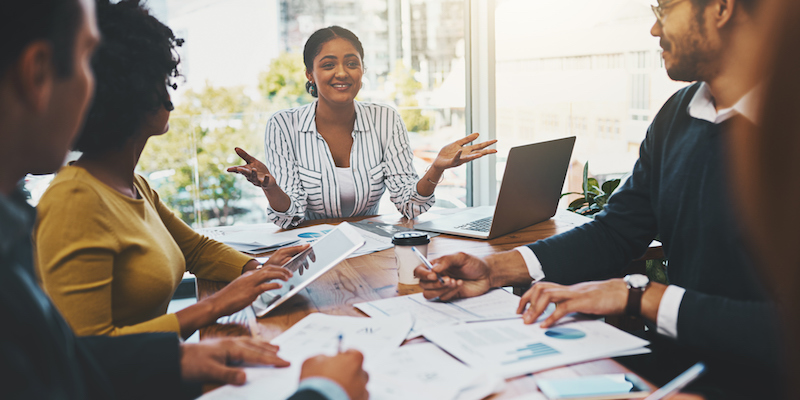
pixel 374 276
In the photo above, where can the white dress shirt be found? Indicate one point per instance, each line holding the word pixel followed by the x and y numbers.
pixel 380 158
pixel 700 107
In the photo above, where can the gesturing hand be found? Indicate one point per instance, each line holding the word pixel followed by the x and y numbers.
pixel 344 369
pixel 458 152
pixel 244 290
pixel 599 298
pixel 255 171
pixel 213 360
pixel 464 275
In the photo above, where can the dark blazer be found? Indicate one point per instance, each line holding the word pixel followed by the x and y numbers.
pixel 42 358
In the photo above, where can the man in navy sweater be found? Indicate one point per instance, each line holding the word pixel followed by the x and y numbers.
pixel 714 308
pixel 45 86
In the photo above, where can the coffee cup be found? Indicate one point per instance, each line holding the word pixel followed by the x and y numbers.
pixel 407 261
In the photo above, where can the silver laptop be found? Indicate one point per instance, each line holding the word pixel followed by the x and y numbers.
pixel 529 193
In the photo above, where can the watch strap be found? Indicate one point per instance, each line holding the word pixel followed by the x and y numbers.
pixel 634 306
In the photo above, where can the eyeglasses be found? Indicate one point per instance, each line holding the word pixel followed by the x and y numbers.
pixel 660 9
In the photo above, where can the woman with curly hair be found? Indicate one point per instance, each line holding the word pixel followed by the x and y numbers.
pixel 109 252
pixel 336 156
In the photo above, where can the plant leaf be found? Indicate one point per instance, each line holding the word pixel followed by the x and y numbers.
pixel 577 203
pixel 586 179
pixel 610 186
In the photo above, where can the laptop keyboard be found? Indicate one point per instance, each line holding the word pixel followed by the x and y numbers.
pixel 480 225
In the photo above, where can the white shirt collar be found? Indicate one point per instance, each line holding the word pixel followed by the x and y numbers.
pixel 702 106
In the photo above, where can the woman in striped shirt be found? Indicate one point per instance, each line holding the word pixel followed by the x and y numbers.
pixel 336 156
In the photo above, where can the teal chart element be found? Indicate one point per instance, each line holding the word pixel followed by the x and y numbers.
pixel 309 235
pixel 532 350
pixel 564 333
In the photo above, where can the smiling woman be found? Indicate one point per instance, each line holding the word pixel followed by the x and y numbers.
pixel 336 156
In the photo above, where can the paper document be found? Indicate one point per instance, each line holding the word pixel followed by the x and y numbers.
pixel 511 348
pixel 424 371
pixel 317 334
pixel 262 238
pixel 496 304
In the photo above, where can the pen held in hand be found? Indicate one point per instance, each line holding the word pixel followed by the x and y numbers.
pixel 426 263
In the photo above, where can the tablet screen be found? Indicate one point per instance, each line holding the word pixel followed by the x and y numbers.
pixel 312 263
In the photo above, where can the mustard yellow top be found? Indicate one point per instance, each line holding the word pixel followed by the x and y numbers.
pixel 111 263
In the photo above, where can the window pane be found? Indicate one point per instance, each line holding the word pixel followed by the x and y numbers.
pixel 242 61
pixel 579 67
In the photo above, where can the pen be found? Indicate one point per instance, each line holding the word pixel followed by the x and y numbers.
pixel 426 263
pixel 339 347
pixel 679 382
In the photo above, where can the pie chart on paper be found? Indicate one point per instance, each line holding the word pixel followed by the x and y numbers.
pixel 309 235
pixel 565 333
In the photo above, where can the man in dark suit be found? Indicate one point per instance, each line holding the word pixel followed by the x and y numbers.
pixel 715 308
pixel 45 86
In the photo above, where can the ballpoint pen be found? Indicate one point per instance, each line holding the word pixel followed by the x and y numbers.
pixel 339 347
pixel 679 382
pixel 426 263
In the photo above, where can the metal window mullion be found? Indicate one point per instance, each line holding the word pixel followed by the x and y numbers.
pixel 480 102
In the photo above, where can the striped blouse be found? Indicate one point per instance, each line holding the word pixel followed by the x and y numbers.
pixel 301 162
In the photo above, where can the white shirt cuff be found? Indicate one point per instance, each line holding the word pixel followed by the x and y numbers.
pixel 329 389
pixel 532 262
pixel 668 308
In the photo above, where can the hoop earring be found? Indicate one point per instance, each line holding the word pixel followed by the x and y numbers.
pixel 311 88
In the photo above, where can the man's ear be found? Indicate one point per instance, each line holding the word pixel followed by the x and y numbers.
pixel 723 11
pixel 35 75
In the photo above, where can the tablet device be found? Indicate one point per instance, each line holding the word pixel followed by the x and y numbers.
pixel 310 264
pixel 595 387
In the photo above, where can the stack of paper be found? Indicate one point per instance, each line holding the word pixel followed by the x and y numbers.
pixel 423 371
pixel 511 348
pixel 494 305
pixel 411 372
pixel 261 238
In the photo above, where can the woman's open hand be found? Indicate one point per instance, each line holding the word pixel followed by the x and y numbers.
pixel 255 171
pixel 458 152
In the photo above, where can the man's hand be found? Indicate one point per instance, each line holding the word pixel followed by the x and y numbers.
pixel 599 298
pixel 464 275
pixel 344 369
pixel 214 360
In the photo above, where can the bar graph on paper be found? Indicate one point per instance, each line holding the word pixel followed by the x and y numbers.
pixel 532 350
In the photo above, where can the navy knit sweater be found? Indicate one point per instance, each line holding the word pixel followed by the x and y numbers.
pixel 679 189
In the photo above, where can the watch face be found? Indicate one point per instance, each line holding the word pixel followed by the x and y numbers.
pixel 638 281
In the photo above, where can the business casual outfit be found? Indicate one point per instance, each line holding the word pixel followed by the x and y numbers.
pixel 112 263
pixel 715 308
pixel 380 158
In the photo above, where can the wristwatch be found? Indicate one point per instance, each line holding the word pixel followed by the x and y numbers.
pixel 637 283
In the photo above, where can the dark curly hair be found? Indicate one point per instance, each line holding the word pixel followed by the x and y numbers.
pixel 317 39
pixel 56 21
pixel 133 65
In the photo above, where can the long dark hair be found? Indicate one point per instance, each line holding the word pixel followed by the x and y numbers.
pixel 132 65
